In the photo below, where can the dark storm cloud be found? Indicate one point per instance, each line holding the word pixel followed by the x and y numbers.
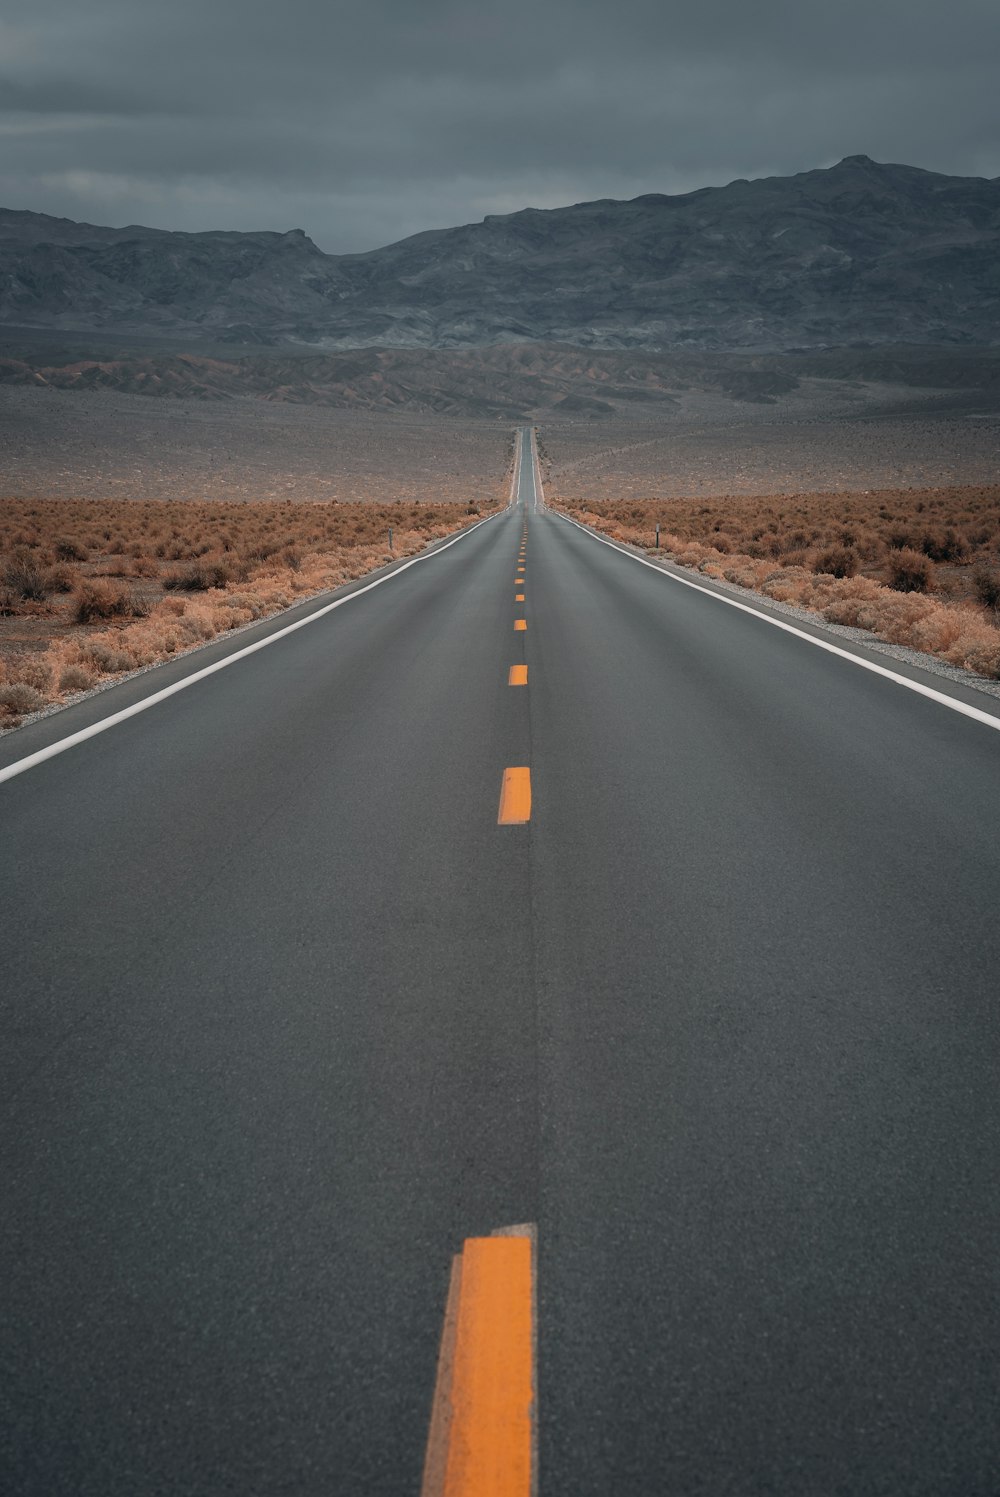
pixel 364 122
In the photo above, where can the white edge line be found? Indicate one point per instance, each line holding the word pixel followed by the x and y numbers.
pixel 60 747
pixel 975 713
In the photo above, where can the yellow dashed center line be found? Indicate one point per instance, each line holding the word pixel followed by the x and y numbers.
pixel 518 597
pixel 515 797
pixel 518 676
pixel 521 624
pixel 482 1426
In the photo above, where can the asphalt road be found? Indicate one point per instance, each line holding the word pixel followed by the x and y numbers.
pixel 286 1016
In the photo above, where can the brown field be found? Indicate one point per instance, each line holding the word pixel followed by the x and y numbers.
pixel 917 567
pixel 91 589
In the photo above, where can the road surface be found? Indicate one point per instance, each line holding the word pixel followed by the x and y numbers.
pixel 288 1016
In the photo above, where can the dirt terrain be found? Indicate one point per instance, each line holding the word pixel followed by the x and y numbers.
pixel 825 436
pixel 98 444
pixel 824 433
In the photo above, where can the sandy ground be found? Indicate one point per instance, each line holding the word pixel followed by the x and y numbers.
pixel 108 445
pixel 827 436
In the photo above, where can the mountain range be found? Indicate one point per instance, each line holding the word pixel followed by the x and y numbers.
pixel 858 254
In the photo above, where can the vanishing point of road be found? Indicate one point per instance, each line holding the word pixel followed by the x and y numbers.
pixel 647 923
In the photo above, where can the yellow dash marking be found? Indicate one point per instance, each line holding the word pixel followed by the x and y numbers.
pixel 489 1452
pixel 521 624
pixel 518 676
pixel 515 797
pixel 518 597
pixel 482 1438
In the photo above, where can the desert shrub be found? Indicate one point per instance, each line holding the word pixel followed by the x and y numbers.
pixel 986 581
pixel 896 616
pixel 61 578
pixel 852 603
pixel 839 561
pixel 95 599
pixel 68 549
pixel 944 545
pixel 190 579
pixel 785 584
pixel 977 650
pixel 910 571
pixel 106 657
pixel 869 545
pixel 938 631
pixel 145 566
pixel 201 576
pixel 742 571
pixel 17 697
pixel 22 576
pixel 199 623
pixel 34 671
pixel 244 602
pixel 75 678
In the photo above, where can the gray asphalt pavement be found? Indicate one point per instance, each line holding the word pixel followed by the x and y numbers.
pixel 286 1016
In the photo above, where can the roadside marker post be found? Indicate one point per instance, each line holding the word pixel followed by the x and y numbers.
pixel 657 537
pixel 390 537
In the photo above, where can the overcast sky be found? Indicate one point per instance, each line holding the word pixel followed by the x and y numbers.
pixel 362 121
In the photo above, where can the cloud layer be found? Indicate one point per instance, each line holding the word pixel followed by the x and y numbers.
pixel 363 122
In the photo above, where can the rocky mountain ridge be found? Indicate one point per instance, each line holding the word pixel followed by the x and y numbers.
pixel 859 253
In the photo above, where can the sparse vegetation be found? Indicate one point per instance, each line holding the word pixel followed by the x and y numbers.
pixel 917 567
pixel 910 571
pixel 22 577
pixel 90 589
pixel 97 599
pixel 986 580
